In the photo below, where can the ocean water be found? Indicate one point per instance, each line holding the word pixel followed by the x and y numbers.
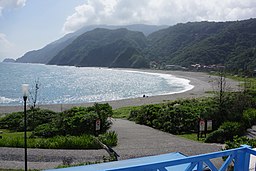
pixel 68 84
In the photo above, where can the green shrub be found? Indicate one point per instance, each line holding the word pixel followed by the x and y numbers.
pixel 77 121
pixel 13 121
pixel 225 132
pixel 231 129
pixel 109 138
pixel 12 142
pixel 45 130
pixel 238 141
pixel 176 117
pixel 35 117
pixel 145 115
pixel 249 117
pixel 216 136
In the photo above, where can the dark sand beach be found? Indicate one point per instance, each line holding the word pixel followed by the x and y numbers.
pixel 133 140
pixel 202 83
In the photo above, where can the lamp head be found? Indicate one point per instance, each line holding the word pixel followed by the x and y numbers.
pixel 25 90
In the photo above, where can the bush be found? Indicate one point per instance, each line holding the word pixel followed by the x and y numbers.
pixel 12 142
pixel 231 129
pixel 45 130
pixel 249 117
pixel 109 138
pixel 177 117
pixel 216 136
pixel 35 117
pixel 225 132
pixel 145 115
pixel 13 121
pixel 238 141
pixel 77 121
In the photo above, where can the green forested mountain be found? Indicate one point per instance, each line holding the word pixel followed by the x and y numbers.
pixel 104 48
pixel 45 54
pixel 231 44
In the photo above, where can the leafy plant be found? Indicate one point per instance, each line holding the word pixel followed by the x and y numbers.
pixel 238 141
pixel 249 117
pixel 35 117
pixel 225 132
pixel 61 142
pixel 77 121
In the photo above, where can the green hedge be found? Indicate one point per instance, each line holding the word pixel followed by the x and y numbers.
pixel 238 141
pixel 35 117
pixel 62 142
pixel 225 132
pixel 177 117
pixel 249 117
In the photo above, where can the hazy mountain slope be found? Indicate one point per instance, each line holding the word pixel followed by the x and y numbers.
pixel 102 47
pixel 45 54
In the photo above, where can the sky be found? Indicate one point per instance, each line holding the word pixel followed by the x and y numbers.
pixel 27 25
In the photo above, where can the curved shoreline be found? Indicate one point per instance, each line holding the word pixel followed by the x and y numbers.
pixel 202 83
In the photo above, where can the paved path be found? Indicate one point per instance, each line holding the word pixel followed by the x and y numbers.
pixel 134 141
pixel 251 132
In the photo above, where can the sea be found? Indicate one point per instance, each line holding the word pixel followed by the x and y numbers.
pixel 69 84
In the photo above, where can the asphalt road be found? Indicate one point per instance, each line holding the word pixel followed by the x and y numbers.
pixel 134 141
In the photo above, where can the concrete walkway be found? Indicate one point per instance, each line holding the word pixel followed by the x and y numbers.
pixel 251 132
pixel 134 141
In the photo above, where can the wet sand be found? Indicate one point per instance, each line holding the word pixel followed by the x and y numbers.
pixel 202 83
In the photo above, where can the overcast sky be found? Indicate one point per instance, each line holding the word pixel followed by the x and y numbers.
pixel 31 24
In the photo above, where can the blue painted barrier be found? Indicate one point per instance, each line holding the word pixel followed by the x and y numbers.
pixel 240 157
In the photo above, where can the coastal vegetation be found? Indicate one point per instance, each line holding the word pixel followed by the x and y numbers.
pixel 181 117
pixel 73 128
pixel 232 114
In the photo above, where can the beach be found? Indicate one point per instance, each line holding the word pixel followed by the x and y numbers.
pixel 202 82
pixel 148 140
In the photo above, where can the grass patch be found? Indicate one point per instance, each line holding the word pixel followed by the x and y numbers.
pixel 210 92
pixel 192 136
pixel 124 112
pixel 59 142
pixel 8 133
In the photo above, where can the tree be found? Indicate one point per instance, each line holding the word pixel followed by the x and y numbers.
pixel 221 97
pixel 35 93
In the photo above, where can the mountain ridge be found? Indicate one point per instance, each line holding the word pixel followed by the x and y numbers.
pixel 45 54
pixel 231 44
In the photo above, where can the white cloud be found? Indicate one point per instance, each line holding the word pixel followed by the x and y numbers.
pixel 5 45
pixel 93 11
pixel 158 12
pixel 4 42
pixel 9 4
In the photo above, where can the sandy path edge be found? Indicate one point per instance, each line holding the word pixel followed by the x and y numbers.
pixel 202 83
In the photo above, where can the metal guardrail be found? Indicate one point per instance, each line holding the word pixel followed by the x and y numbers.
pixel 238 157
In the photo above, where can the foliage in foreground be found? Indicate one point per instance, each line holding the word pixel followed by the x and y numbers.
pixel 62 142
pixel 226 132
pixel 35 117
pixel 231 116
pixel 71 129
pixel 238 141
pixel 75 121
pixel 177 117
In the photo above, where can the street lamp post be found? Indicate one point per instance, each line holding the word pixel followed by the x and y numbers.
pixel 25 97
